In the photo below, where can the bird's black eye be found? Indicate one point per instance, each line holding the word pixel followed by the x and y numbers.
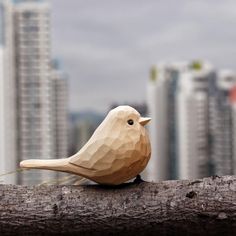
pixel 130 122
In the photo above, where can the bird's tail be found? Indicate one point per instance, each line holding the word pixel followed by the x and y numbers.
pixel 57 165
pixel 53 164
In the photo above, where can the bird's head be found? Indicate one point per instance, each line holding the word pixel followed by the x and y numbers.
pixel 128 117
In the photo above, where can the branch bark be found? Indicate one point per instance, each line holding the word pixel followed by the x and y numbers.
pixel 200 207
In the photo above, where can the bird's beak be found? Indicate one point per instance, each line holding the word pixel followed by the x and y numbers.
pixel 144 120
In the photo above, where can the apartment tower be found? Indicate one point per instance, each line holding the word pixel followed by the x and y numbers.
pixel 7 95
pixel 161 93
pixel 33 74
pixel 192 105
pixel 221 128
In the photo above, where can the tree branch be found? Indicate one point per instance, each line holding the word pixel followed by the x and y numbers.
pixel 201 207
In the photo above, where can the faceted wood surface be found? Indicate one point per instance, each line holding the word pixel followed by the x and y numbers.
pixel 118 150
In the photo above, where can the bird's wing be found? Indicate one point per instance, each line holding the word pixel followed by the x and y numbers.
pixel 102 149
pixel 90 154
pixel 92 150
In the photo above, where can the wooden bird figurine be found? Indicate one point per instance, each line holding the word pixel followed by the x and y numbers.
pixel 118 150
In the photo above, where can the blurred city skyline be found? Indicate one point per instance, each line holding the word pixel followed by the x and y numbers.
pixel 107 47
pixel 107 50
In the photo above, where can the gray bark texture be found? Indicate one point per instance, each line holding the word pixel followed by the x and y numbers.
pixel 198 207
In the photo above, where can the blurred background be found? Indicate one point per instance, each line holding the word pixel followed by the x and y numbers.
pixel 65 63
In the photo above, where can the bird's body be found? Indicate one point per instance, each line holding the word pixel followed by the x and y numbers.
pixel 118 150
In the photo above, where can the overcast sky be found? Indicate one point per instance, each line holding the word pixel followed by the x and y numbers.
pixel 107 46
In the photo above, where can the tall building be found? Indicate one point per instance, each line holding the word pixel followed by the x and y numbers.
pixel 33 95
pixel 7 94
pixel 161 94
pixel 59 112
pixel 191 129
pixel 33 74
pixel 193 125
pixel 157 168
pixel 233 103
pixel 174 72
pixel 192 118
pixel 59 116
pixel 221 123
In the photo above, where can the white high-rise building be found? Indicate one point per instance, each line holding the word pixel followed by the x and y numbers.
pixel 33 75
pixel 233 114
pixel 7 95
pixel 59 112
pixel 161 105
pixel 157 168
pixel 192 119
pixel 59 115
pixel 33 96
pixel 221 128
